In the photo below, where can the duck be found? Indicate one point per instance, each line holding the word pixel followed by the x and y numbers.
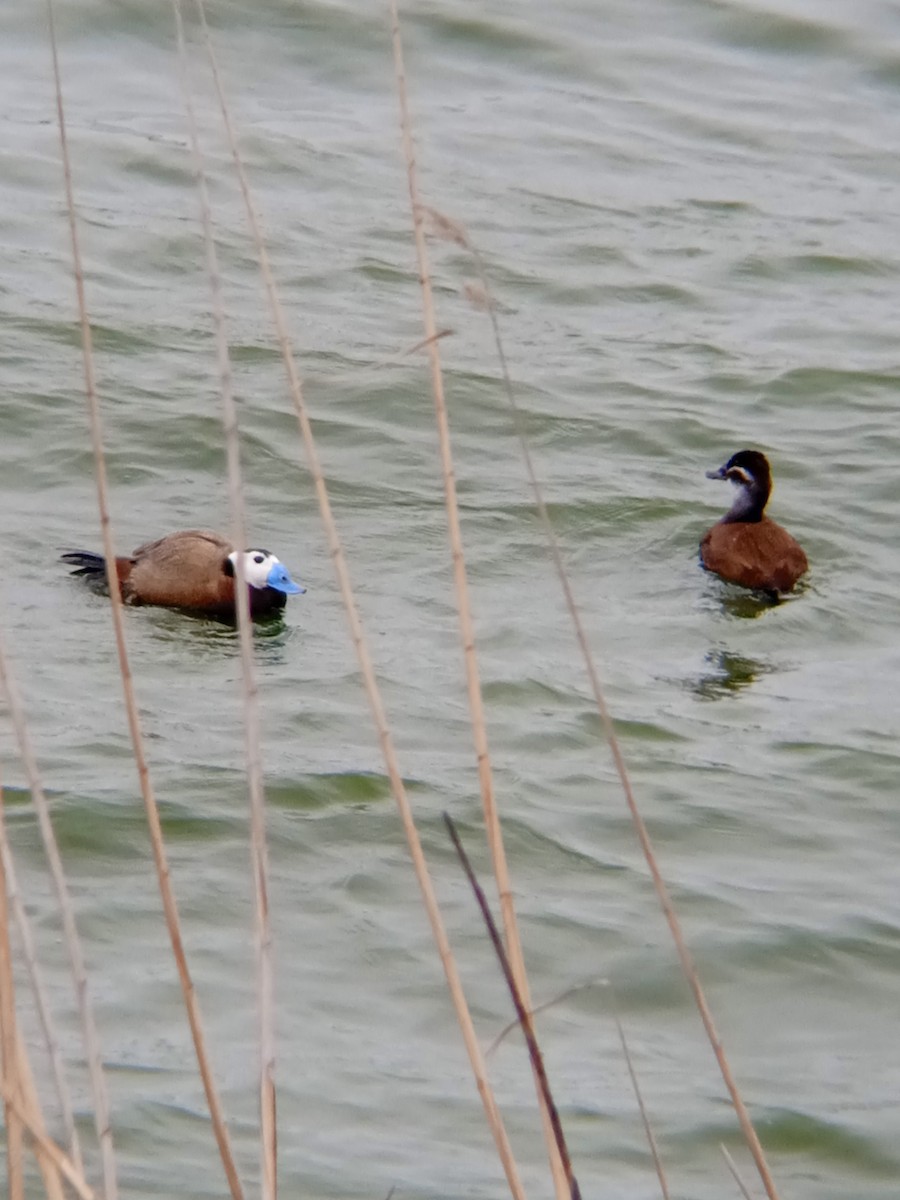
pixel 746 547
pixel 193 570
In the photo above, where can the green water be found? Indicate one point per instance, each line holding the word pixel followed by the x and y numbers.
pixel 688 211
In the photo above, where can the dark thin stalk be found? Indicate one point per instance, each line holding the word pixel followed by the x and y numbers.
pixel 475 696
pixel 534 1050
pixel 453 231
pixel 361 646
pixel 645 1116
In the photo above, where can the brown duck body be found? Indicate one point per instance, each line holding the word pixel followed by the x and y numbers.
pixel 191 570
pixel 754 554
pixel 746 547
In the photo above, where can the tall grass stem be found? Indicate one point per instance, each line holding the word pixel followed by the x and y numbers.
pixel 249 689
pixel 466 626
pixel 643 835
pixel 642 1108
pixel 523 1014
pixel 45 1018
pixel 9 688
pixel 53 1162
pixel 152 811
pixel 9 1053
pixel 360 645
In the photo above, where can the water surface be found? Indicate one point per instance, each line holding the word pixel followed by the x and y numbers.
pixel 688 213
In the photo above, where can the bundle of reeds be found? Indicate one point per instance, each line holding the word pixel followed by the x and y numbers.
pixel 59 1157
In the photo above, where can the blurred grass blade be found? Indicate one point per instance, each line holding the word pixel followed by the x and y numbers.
pixel 249 689
pixel 360 644
pixel 26 939
pixel 524 1016
pixel 455 231
pixel 466 627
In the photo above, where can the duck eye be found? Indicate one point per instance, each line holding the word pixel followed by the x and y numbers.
pixel 258 558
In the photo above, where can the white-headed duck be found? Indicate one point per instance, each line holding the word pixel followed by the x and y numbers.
pixel 193 570
pixel 746 547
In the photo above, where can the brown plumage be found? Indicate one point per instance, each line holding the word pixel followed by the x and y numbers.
pixel 193 570
pixel 746 547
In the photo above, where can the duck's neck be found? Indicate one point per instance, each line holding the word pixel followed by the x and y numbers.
pixel 749 503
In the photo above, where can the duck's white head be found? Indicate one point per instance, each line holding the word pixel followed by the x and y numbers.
pixel 263 570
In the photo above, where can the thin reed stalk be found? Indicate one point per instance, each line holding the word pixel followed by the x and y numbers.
pixel 645 1116
pixel 537 1009
pixel 249 690
pixel 467 632
pixel 9 1058
pixel 522 1013
pixel 70 929
pixel 23 927
pixel 684 956
pixel 51 1158
pixel 735 1174
pixel 464 613
pixel 28 1108
pixel 360 644
pixel 134 725
pixel 21 1103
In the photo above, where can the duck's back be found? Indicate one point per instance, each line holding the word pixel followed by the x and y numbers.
pixel 183 570
pixel 754 554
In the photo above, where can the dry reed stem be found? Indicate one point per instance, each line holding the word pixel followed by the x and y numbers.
pixel 476 705
pixel 466 627
pixel 21 1104
pixel 23 925
pixel 360 644
pixel 51 1158
pixel 537 1009
pixel 9 1057
pixel 70 930
pixel 732 1167
pixel 645 1116
pixel 250 690
pixel 134 726
pixel 354 373
pixel 548 1004
pixel 523 1014
pixel 28 1108
pixel 421 344
pixel 659 884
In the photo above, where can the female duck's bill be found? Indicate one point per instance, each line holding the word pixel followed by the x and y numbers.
pixel 746 547
pixel 194 570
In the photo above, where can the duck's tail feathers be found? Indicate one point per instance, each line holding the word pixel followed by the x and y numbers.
pixel 86 561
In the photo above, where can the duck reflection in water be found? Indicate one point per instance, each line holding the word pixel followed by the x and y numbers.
pixel 729 674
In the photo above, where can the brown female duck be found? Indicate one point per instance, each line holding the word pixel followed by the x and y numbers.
pixel 195 571
pixel 746 547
